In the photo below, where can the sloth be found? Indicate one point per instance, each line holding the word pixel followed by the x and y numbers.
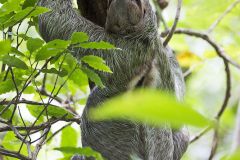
pixel 142 62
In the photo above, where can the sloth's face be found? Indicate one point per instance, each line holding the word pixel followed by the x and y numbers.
pixel 125 16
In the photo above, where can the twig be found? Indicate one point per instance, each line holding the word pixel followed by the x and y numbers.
pixel 205 37
pixel 215 142
pixel 17 93
pixel 228 91
pixel 159 15
pixel 39 145
pixel 229 9
pixel 26 102
pixel 38 127
pixel 170 34
pixel 221 54
pixel 13 154
pixel 27 83
pixel 201 134
pixel 58 131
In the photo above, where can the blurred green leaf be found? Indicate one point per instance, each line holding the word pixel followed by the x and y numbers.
pixel 26 13
pixel 14 62
pixel 88 152
pixel 65 140
pixel 11 143
pixel 5 47
pixel 17 52
pixel 52 49
pixel 8 86
pixel 148 106
pixel 234 156
pixel 96 63
pixel 29 3
pixel 7 114
pixel 79 37
pixel 97 45
pixel 10 6
pixel 34 43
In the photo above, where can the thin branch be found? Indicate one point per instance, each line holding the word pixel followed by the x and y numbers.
pixel 201 134
pixel 205 37
pixel 13 154
pixel 27 83
pixel 38 127
pixel 23 101
pixel 17 93
pixel 229 9
pixel 220 52
pixel 228 91
pixel 40 144
pixel 58 131
pixel 20 114
pixel 159 15
pixel 215 142
pixel 170 34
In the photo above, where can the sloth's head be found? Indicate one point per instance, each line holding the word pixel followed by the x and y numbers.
pixel 129 16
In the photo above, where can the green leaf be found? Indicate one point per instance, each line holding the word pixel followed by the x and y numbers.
pixel 17 52
pixel 7 114
pixel 79 78
pixel 26 13
pixel 61 73
pixel 52 49
pixel 93 77
pixel 5 47
pixel 66 141
pixel 34 43
pixel 3 1
pixel 8 86
pixel 88 152
pixel 97 45
pixel 10 6
pixel 14 62
pixel 151 107
pixel 29 3
pixel 79 37
pixel 96 63
pixel 23 36
pixel 234 156
pixel 53 111
pixel 10 142
pixel 5 18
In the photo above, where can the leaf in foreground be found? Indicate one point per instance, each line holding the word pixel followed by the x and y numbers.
pixel 97 63
pixel 14 62
pixel 97 45
pixel 88 152
pixel 151 107
pixel 5 47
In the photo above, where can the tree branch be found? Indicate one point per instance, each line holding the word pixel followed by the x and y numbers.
pixel 13 154
pixel 205 37
pixel 170 34
pixel 229 9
